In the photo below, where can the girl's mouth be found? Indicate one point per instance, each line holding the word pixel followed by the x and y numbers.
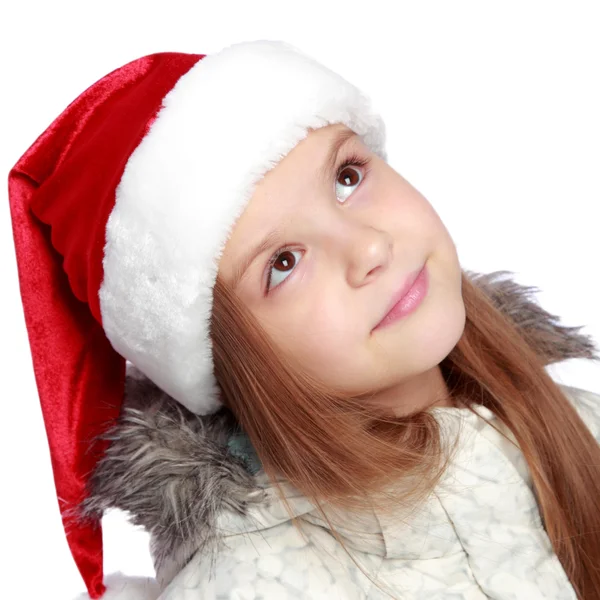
pixel 408 298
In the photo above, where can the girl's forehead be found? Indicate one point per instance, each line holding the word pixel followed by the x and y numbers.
pixel 308 166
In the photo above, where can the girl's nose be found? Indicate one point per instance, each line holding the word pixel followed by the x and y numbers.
pixel 370 252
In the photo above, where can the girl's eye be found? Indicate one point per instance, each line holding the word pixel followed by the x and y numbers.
pixel 348 177
pixel 281 265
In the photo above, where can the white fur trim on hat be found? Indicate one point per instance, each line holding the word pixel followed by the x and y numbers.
pixel 227 121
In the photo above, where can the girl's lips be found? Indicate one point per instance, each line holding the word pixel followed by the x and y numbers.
pixel 408 298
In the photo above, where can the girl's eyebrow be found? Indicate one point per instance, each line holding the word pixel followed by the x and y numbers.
pixel 274 237
pixel 336 145
pixel 269 240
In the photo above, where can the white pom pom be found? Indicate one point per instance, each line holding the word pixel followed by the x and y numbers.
pixel 122 587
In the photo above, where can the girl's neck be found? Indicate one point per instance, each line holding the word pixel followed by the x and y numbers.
pixel 422 391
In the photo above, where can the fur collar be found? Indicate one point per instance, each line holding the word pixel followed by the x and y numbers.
pixel 175 472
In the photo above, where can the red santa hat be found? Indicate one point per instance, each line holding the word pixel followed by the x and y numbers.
pixel 120 212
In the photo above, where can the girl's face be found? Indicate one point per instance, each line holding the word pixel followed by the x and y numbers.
pixel 318 256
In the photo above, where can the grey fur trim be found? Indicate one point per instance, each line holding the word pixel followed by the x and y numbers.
pixel 555 342
pixel 174 472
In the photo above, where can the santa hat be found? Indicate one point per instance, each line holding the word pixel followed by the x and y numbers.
pixel 120 211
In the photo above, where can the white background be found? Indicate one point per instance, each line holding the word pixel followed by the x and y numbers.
pixel 492 111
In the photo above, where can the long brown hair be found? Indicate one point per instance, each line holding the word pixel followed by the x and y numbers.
pixel 290 418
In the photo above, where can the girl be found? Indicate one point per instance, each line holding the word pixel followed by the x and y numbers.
pixel 254 336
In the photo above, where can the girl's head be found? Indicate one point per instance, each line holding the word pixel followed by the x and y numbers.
pixel 326 242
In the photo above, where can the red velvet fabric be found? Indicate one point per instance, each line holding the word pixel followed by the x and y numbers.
pixel 61 192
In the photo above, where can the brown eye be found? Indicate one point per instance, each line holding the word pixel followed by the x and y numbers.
pixel 281 267
pixel 348 179
pixel 349 176
pixel 286 260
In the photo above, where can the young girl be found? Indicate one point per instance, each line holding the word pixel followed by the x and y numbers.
pixel 251 333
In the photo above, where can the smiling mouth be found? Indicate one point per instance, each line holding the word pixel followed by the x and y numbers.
pixel 407 298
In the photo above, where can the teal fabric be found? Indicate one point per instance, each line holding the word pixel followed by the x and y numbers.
pixel 239 445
